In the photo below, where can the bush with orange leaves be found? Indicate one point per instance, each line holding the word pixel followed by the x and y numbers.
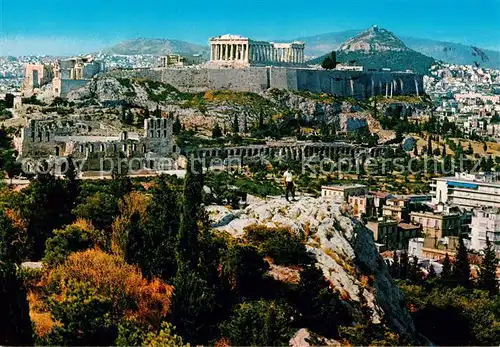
pixel 127 294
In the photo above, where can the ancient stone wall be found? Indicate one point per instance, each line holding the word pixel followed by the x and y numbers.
pixel 48 140
pixel 257 79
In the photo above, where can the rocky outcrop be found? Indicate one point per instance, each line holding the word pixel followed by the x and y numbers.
pixel 344 250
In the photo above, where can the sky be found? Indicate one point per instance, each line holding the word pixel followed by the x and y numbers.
pixel 55 27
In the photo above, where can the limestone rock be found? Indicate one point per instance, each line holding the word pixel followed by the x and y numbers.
pixel 343 249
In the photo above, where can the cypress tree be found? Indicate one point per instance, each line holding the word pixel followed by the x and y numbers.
pixel 236 124
pixel 394 270
pixel 429 145
pixel 188 247
pixel 176 127
pixel 461 268
pixel 404 266
pixel 487 276
pixel 216 131
pixel 432 272
pixel 446 272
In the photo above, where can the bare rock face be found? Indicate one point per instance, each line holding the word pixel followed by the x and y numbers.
pixel 343 248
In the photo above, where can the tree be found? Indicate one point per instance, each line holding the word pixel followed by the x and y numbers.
pixel 330 61
pixel 193 307
pixel 165 337
pixel 100 208
pixel 92 292
pixel 432 272
pixel 404 266
pixel 236 124
pixel 394 270
pixel 443 152
pixel 461 267
pixel 485 147
pixel 429 145
pixel 244 269
pixel 14 309
pixel 188 247
pixel 488 268
pixel 415 150
pixel 446 273
pixel 47 209
pixel 177 126
pixel 259 323
pixel 66 241
pixel 216 131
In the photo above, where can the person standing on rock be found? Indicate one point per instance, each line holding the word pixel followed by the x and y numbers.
pixel 289 188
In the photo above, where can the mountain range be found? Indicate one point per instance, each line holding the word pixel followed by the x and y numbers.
pixel 319 45
pixel 449 52
pixel 157 47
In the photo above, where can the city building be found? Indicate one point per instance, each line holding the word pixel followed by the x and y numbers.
pixel 485 223
pixel 362 205
pixel 343 191
pixel 467 191
pixel 396 208
pixel 393 235
pixel 429 248
pixel 438 224
pixel 237 51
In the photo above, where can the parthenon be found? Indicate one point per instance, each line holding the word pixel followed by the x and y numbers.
pixel 238 51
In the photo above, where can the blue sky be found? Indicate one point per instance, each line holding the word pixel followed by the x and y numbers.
pixel 70 27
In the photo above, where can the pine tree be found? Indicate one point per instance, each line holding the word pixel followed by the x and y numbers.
pixel 487 275
pixel 485 147
pixel 443 152
pixel 188 247
pixel 461 268
pixel 446 273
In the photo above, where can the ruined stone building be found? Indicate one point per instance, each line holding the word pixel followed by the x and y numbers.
pixel 65 75
pixel 237 51
pixel 95 144
pixel 74 73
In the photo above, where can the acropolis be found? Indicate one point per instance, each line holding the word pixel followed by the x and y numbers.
pixel 237 51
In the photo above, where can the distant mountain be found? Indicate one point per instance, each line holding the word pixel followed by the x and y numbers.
pixel 378 48
pixel 454 52
pixel 449 52
pixel 157 47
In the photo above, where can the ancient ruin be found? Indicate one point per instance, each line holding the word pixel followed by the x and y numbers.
pixel 96 144
pixel 65 75
pixel 237 51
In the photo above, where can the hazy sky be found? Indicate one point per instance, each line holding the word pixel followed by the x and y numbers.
pixel 70 27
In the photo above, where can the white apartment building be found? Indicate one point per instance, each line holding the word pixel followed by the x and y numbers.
pixel 485 223
pixel 467 191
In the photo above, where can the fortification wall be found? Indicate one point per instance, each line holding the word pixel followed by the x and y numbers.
pixel 257 79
